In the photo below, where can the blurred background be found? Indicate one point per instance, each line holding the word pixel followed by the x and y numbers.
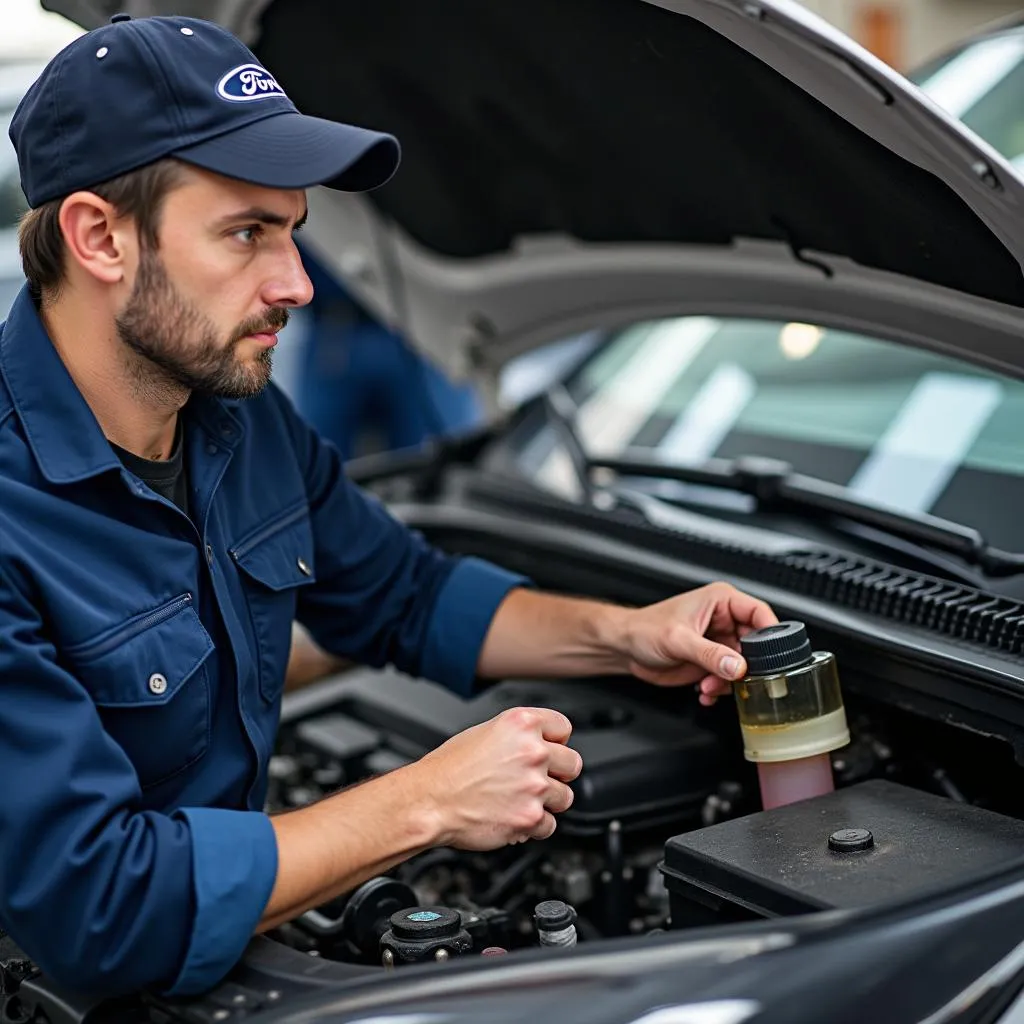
pixel 907 33
pixel 904 33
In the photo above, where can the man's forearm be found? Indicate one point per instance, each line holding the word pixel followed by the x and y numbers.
pixel 337 844
pixel 308 662
pixel 536 634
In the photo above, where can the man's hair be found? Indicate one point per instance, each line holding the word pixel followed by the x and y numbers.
pixel 138 194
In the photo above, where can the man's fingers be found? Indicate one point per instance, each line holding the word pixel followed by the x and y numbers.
pixel 711 688
pixel 735 614
pixel 554 726
pixel 743 610
pixel 564 763
pixel 545 829
pixel 718 659
pixel 681 675
pixel 559 797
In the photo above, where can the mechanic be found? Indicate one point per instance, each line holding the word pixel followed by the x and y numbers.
pixel 166 516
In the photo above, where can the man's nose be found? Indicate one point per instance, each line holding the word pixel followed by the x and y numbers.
pixel 291 285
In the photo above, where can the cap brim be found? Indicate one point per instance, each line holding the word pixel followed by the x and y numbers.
pixel 293 150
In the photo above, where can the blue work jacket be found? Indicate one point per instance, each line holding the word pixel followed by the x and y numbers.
pixel 142 660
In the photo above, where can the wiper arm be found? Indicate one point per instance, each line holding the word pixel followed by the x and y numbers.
pixel 561 414
pixel 776 488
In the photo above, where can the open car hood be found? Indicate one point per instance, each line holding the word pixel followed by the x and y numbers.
pixel 594 162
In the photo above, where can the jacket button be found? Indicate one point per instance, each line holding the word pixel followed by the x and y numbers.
pixel 304 568
pixel 157 683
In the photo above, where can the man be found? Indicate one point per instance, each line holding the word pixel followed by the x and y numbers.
pixel 166 516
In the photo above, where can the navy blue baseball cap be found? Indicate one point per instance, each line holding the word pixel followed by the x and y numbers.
pixel 141 89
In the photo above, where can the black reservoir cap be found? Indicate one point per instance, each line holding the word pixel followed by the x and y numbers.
pixel 418 923
pixel 776 649
pixel 553 915
pixel 851 840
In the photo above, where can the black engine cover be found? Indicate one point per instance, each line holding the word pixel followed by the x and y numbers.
pixel 874 843
pixel 645 762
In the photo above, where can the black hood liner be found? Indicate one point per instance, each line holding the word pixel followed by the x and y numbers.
pixel 614 121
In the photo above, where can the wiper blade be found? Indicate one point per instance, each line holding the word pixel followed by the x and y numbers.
pixel 776 488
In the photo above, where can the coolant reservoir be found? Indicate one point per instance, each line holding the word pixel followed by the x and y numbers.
pixel 791 713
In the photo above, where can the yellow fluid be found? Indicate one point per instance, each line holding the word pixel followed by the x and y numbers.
pixel 794 714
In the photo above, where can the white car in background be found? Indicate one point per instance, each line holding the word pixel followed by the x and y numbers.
pixel 15 78
pixel 981 81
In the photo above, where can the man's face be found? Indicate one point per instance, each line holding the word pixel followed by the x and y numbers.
pixel 205 308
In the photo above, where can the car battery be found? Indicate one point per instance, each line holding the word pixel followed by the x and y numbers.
pixel 873 843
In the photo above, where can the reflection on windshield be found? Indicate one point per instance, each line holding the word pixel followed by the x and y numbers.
pixel 900 426
pixel 983 86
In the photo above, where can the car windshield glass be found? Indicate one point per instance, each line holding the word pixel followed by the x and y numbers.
pixel 899 426
pixel 983 85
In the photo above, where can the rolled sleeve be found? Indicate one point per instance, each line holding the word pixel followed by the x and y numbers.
pixel 462 614
pixel 234 866
pixel 382 594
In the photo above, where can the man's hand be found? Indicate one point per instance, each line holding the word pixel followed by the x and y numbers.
pixel 496 783
pixel 694 638
pixel 503 781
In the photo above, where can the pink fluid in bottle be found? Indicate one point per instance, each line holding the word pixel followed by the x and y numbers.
pixel 791 713
pixel 785 782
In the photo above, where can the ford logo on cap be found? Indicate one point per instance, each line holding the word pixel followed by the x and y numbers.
pixel 248 82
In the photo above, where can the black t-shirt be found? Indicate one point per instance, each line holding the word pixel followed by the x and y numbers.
pixel 167 477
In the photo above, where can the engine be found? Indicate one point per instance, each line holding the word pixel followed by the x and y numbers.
pixel 651 769
pixel 666 829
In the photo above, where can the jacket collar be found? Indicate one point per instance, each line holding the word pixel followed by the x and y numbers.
pixel 64 435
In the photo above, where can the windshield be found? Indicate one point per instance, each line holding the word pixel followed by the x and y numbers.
pixel 983 85
pixel 920 432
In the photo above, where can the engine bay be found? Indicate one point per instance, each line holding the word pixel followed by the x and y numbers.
pixel 667 834
pixel 666 831
pixel 666 837
pixel 648 772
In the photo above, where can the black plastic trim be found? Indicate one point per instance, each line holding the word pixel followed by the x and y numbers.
pixel 941 607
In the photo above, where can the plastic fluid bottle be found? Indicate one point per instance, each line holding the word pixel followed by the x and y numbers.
pixel 791 713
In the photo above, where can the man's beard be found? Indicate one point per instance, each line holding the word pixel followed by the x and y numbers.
pixel 178 347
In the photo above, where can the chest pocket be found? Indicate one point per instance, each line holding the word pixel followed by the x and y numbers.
pixel 275 560
pixel 148 678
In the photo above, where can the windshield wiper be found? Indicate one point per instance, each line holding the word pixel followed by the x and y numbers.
pixel 776 488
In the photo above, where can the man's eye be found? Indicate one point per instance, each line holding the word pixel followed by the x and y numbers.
pixel 249 234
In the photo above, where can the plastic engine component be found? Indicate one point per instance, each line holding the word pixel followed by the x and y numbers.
pixel 876 842
pixel 644 765
pixel 418 934
pixel 556 923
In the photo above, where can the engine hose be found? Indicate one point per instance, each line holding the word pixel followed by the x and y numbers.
pixel 507 878
pixel 615 910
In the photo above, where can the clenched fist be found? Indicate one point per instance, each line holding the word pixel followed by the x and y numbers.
pixel 502 781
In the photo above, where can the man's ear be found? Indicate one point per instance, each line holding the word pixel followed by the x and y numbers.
pixel 98 240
